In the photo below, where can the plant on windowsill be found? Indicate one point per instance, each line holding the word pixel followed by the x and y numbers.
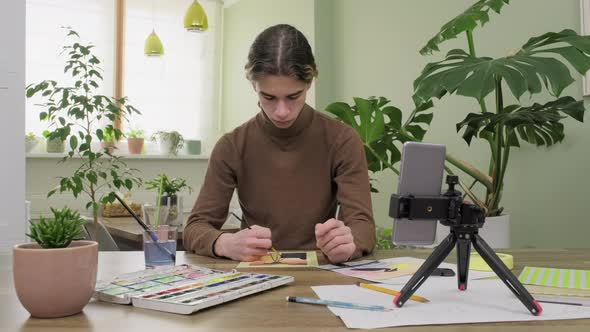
pixel 135 141
pixel 538 64
pixel 47 281
pixel 78 109
pixel 168 195
pixel 55 140
pixel 31 142
pixel 170 142
pixel 109 142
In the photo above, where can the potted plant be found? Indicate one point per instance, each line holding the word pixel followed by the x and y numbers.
pixel 168 196
pixel 169 141
pixel 55 276
pixel 108 143
pixel 31 142
pixel 536 66
pixel 77 109
pixel 193 146
pixel 135 141
pixel 55 140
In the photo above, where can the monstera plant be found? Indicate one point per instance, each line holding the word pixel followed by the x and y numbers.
pixel 538 66
pixel 380 126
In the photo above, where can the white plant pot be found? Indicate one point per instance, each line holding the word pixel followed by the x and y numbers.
pixel 495 231
pixel 165 146
pixel 30 145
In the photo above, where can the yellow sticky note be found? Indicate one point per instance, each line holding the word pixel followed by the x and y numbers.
pixel 477 263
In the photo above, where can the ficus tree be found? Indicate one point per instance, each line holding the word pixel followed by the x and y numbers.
pixel 78 112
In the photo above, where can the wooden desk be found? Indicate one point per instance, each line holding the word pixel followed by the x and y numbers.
pixel 266 311
pixel 127 232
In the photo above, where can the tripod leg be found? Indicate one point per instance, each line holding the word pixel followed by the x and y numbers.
pixel 431 263
pixel 505 275
pixel 463 250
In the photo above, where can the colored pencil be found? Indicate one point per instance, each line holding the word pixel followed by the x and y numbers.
pixel 390 292
pixel 339 304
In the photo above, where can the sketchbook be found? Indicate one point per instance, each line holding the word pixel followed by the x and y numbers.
pixel 184 289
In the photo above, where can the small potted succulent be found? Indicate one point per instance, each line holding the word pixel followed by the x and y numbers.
pixel 170 142
pixel 55 276
pixel 135 141
pixel 168 196
pixel 31 142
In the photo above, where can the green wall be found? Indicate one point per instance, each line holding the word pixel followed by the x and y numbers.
pixel 243 21
pixel 370 48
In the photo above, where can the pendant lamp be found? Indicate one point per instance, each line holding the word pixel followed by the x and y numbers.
pixel 153 45
pixel 195 19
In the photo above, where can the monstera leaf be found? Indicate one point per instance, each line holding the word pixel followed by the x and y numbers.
pixel 380 127
pixel 467 21
pixel 526 71
pixel 537 124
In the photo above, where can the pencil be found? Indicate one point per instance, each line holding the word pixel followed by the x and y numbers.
pixel 559 302
pixel 339 304
pixel 390 291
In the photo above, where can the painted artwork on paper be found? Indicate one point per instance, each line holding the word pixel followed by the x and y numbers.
pixel 284 259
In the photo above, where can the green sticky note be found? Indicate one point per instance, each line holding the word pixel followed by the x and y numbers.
pixel 562 278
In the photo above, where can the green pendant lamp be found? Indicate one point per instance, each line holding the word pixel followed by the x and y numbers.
pixel 195 19
pixel 153 45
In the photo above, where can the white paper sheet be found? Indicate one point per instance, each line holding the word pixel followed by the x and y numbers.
pixel 472 275
pixel 483 301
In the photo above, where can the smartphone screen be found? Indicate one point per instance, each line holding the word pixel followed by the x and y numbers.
pixel 421 173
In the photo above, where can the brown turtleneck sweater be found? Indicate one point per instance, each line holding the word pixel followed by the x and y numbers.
pixel 287 180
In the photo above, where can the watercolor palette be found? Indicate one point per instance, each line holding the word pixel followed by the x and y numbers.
pixel 184 289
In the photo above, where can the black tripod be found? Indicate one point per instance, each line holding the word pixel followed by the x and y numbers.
pixel 464 219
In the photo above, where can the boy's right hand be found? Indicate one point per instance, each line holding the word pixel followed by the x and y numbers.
pixel 246 245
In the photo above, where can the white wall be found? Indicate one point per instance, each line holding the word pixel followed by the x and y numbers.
pixel 12 125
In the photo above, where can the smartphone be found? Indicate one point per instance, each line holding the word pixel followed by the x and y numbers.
pixel 421 173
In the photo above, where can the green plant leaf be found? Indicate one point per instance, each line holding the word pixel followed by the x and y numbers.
pixel 372 123
pixel 526 71
pixel 59 231
pixel 91 176
pixel 380 128
pixel 344 113
pixel 466 21
pixel 73 142
pixel 537 124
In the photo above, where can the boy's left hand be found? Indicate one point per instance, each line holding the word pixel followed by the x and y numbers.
pixel 335 240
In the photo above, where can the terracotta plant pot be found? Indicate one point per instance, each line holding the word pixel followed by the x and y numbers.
pixel 110 146
pixel 55 282
pixel 135 145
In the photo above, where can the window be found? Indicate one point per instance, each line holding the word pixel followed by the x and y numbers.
pixel 92 19
pixel 179 91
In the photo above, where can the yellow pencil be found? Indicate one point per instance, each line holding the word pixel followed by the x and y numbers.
pixel 390 291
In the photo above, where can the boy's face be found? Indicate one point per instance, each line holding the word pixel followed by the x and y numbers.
pixel 281 97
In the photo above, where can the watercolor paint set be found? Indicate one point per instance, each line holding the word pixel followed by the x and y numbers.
pixel 184 289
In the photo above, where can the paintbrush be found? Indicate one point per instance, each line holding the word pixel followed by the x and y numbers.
pixel 147 229
pixel 277 256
